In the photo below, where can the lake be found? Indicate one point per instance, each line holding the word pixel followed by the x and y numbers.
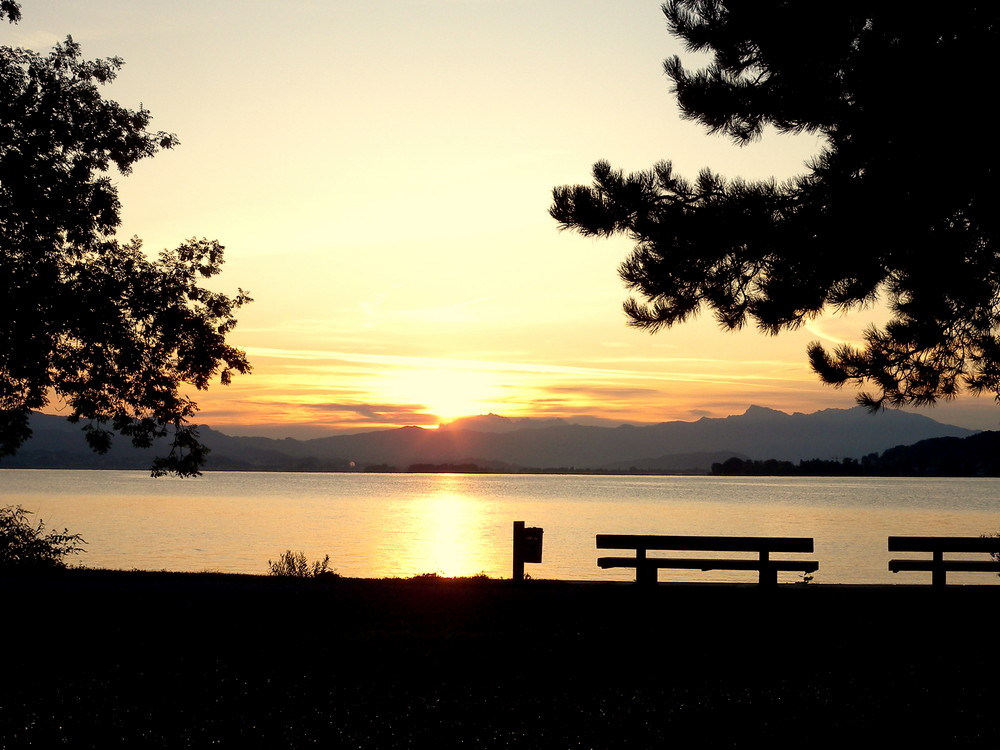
pixel 376 525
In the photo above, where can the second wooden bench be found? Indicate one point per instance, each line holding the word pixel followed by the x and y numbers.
pixel 937 546
pixel 646 567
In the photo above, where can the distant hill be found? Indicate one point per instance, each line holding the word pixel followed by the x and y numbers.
pixel 972 456
pixel 500 444
pixel 977 454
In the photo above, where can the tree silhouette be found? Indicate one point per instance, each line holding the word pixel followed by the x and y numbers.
pixel 899 205
pixel 87 320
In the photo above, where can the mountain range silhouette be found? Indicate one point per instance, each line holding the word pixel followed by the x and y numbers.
pixel 503 444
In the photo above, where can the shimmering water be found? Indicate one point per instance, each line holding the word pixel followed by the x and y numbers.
pixel 375 525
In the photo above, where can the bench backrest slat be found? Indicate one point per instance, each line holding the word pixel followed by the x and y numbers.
pixel 716 543
pixel 944 544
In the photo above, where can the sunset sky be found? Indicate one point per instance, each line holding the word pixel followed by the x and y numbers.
pixel 380 173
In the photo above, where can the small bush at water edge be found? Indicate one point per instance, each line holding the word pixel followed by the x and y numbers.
pixel 24 546
pixel 295 565
pixel 994 555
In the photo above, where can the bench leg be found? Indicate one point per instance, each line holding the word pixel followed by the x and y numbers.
pixel 938 572
pixel 768 574
pixel 645 575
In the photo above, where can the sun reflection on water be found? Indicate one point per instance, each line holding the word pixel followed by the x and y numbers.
pixel 441 529
pixel 449 538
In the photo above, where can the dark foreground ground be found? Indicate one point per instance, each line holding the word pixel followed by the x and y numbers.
pixel 101 659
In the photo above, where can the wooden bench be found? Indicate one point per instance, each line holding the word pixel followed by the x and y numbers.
pixel 646 568
pixel 937 546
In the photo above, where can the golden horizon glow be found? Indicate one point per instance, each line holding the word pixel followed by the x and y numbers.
pixel 380 175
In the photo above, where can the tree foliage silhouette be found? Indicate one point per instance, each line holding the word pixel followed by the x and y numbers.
pixel 90 321
pixel 899 205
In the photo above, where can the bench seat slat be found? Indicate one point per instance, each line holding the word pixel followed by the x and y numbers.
pixel 949 565
pixel 707 563
pixel 944 544
pixel 715 543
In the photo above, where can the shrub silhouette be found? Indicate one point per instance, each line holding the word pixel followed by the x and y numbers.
pixel 295 565
pixel 994 555
pixel 24 546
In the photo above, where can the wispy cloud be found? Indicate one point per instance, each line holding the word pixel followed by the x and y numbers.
pixel 316 356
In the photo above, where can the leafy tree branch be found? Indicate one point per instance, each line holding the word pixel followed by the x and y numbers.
pixel 88 320
pixel 898 206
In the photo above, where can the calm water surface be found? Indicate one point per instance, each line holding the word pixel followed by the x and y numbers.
pixel 455 524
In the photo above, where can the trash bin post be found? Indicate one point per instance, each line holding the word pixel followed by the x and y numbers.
pixel 527 547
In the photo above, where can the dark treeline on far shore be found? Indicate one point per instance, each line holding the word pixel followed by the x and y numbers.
pixel 977 455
